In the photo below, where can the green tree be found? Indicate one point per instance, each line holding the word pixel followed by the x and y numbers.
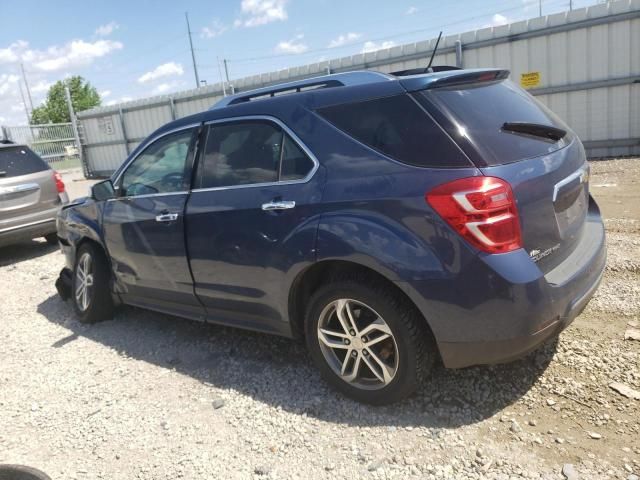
pixel 55 110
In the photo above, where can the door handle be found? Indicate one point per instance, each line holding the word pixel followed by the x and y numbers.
pixel 167 217
pixel 281 205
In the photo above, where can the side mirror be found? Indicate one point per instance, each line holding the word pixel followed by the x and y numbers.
pixel 103 190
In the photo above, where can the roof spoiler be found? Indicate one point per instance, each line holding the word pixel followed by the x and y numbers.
pixel 451 78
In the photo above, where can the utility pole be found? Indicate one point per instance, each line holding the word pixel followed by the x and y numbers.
pixel 224 88
pixel 539 8
pixel 26 110
pixel 193 55
pixel 226 69
pixel 26 84
pixel 570 5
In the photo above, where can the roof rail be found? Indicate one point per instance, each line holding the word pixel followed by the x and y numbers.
pixel 324 81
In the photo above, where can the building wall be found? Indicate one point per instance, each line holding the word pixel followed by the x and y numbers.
pixel 587 63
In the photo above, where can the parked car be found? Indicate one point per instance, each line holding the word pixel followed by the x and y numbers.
pixel 390 221
pixel 30 195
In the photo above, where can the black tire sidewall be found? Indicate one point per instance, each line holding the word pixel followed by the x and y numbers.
pixel 100 303
pixel 387 306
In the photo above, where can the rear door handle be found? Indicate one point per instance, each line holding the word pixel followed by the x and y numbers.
pixel 281 205
pixel 167 217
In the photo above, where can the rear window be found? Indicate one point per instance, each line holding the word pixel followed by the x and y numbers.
pixel 397 127
pixel 480 110
pixel 16 161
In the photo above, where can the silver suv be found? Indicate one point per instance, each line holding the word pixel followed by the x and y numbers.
pixel 30 194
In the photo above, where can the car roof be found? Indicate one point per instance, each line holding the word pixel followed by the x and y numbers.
pixel 10 144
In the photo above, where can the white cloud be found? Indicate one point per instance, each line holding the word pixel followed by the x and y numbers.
pixel 344 39
pixel 498 20
pixel 107 29
pixel 165 70
pixel 12 53
pixel 261 12
pixel 17 108
pixel 162 88
pixel 214 30
pixel 373 46
pixel 7 83
pixel 105 93
pixel 294 45
pixel 40 87
pixel 411 10
pixel 71 55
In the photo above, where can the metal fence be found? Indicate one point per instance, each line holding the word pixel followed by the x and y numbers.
pixel 583 64
pixel 55 143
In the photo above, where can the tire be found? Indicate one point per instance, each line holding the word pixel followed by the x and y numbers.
pixel 409 354
pixel 98 304
pixel 51 238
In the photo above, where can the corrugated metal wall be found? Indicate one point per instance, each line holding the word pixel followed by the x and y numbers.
pixel 586 62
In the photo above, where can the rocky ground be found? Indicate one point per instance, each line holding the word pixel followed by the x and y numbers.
pixel 154 397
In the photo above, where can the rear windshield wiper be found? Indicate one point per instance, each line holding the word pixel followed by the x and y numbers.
pixel 535 129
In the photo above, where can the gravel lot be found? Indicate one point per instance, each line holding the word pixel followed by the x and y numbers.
pixel 156 397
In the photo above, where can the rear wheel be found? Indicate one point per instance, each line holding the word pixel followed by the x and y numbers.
pixel 367 341
pixel 91 294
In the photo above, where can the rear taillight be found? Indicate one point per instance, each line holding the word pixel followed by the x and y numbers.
pixel 59 183
pixel 482 210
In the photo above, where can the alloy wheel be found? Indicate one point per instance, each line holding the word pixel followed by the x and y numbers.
pixel 84 281
pixel 358 344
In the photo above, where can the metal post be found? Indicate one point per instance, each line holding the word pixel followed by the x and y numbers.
pixel 5 134
pixel 24 103
pixel 458 54
pixel 224 88
pixel 539 8
pixel 74 124
pixel 124 131
pixel 193 55
pixel 226 69
pixel 26 84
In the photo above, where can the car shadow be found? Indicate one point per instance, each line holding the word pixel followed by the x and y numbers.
pixel 27 250
pixel 279 372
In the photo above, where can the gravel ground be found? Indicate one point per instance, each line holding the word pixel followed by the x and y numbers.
pixel 155 397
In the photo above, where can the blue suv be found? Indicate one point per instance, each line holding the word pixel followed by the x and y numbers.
pixel 389 221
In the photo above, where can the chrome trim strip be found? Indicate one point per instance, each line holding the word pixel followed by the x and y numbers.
pixel 148 195
pixel 24 187
pixel 300 143
pixel 577 174
pixel 25 225
pixel 149 142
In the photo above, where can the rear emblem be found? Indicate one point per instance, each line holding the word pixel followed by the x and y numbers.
pixel 537 255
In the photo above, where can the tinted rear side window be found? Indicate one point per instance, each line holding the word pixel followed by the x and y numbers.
pixel 398 128
pixel 16 161
pixel 482 109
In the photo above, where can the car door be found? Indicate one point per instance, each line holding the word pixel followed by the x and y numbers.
pixel 251 220
pixel 144 226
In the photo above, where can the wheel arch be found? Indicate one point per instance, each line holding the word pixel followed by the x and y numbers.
pixel 310 279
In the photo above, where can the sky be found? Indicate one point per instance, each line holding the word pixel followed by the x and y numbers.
pixel 136 49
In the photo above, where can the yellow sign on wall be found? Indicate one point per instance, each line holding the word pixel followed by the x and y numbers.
pixel 530 79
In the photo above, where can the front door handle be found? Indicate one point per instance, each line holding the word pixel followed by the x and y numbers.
pixel 167 217
pixel 281 205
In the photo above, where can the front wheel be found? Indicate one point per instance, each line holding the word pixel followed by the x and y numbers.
pixel 367 341
pixel 90 285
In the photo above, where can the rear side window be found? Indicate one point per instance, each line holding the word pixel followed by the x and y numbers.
pixel 16 161
pixel 481 109
pixel 398 128
pixel 250 152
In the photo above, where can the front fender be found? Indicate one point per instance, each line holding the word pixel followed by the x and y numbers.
pixel 78 222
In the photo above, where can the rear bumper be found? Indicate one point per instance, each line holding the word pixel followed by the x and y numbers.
pixel 502 307
pixel 27 232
